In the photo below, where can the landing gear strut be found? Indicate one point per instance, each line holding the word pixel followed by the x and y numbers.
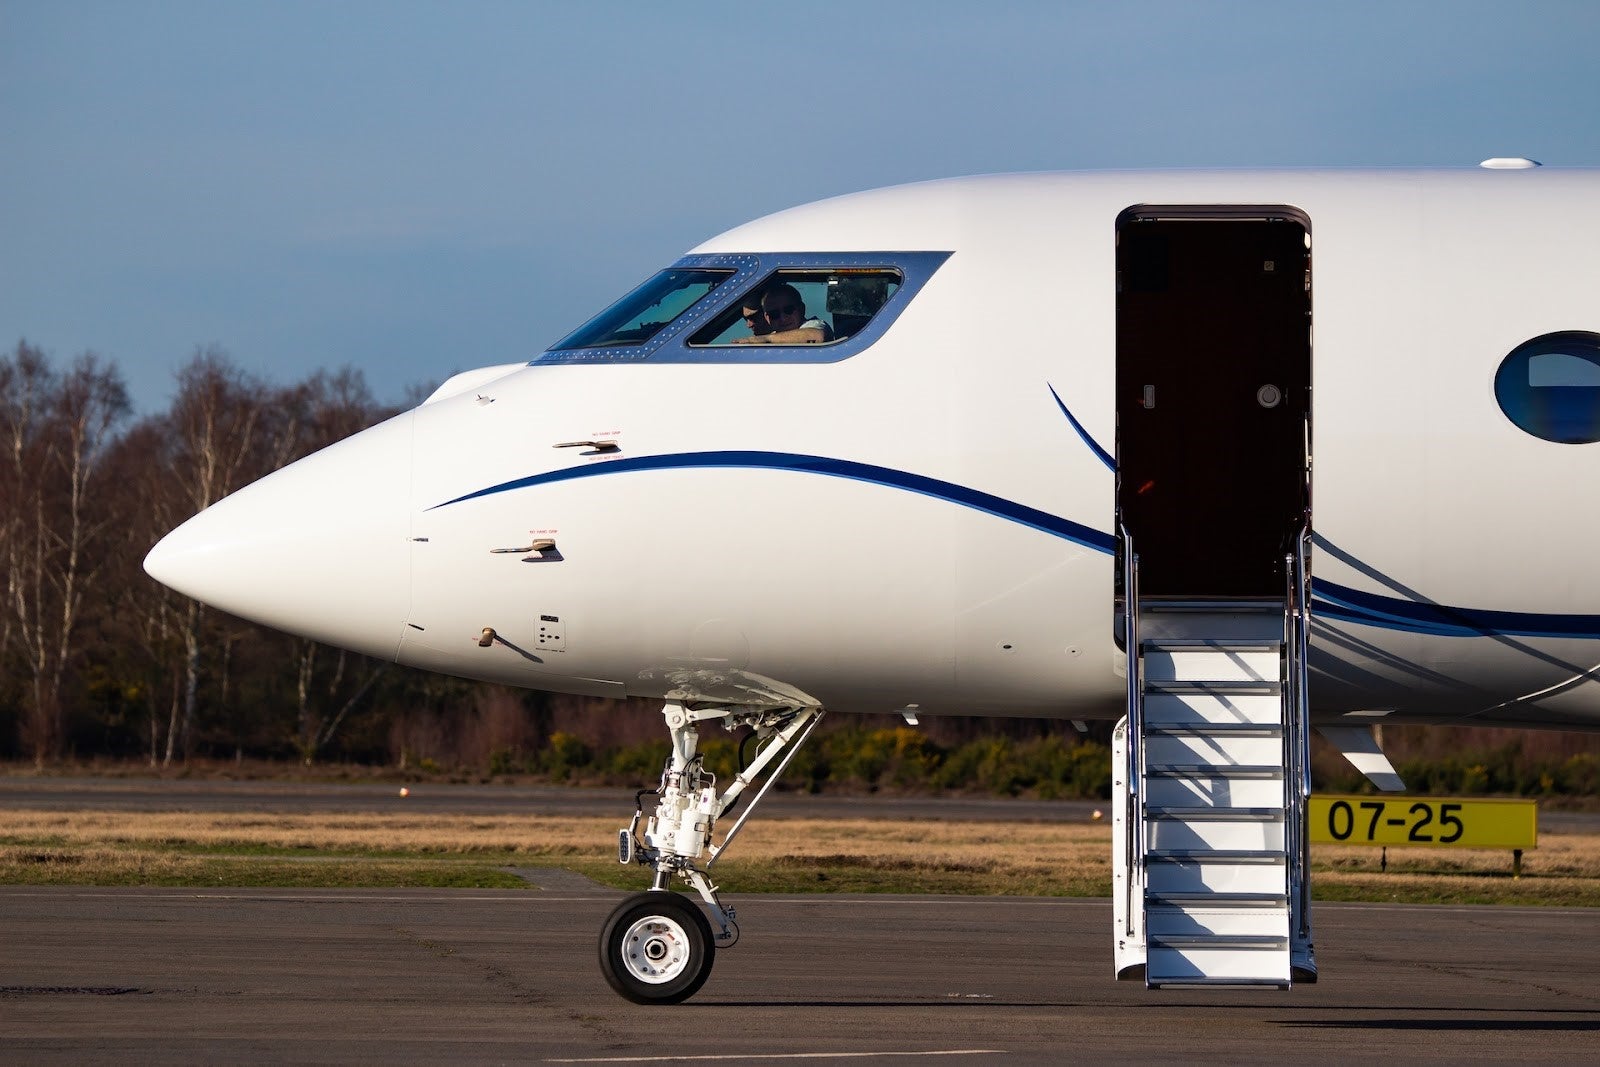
pixel 658 947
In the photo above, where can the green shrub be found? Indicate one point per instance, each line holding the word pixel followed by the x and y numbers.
pixel 638 763
pixel 564 755
pixel 503 760
pixel 1580 774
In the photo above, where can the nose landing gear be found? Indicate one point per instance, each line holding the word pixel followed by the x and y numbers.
pixel 658 947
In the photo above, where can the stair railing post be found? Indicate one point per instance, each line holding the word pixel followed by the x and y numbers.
pixel 1302 712
pixel 1290 709
pixel 1135 836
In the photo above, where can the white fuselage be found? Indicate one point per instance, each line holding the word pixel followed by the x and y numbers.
pixel 921 525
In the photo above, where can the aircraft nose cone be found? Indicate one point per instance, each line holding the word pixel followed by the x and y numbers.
pixel 320 548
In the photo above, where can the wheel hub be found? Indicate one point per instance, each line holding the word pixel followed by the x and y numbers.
pixel 655 949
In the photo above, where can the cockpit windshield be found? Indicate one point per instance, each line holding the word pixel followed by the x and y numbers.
pixel 844 302
pixel 635 318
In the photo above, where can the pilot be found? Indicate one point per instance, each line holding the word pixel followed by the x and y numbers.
pixel 786 320
pixel 754 317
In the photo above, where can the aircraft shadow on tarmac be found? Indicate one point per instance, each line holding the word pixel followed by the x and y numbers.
pixel 942 1005
pixel 1487 1025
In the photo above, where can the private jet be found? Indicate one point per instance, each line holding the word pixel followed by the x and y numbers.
pixel 1222 457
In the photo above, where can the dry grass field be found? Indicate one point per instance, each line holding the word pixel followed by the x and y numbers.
pixel 773 855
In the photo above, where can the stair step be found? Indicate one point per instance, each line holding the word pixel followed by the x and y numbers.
pixel 1186 983
pixel 1209 662
pixel 1210 643
pixel 1218 965
pixel 1227 941
pixel 1213 792
pixel 1225 829
pixel 1154 811
pixel 1213 855
pixel 1216 872
pixel 1200 919
pixel 1164 707
pixel 1213 687
pixel 1251 746
pixel 1211 770
pixel 1263 605
pixel 1213 729
pixel 1236 620
pixel 1208 899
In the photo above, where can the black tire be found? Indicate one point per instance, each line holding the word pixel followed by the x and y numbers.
pixel 657 948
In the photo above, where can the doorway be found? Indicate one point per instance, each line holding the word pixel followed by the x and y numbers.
pixel 1213 396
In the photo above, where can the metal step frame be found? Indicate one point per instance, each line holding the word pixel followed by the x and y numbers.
pixel 1211 779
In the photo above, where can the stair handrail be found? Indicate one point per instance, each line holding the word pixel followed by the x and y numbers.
pixel 1289 709
pixel 1297 732
pixel 1134 835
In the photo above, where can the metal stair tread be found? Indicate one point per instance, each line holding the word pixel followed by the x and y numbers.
pixel 1204 814
pixel 1212 770
pixel 1216 729
pixel 1207 644
pixel 1215 899
pixel 1247 941
pixel 1242 605
pixel 1266 982
pixel 1266 857
pixel 1218 687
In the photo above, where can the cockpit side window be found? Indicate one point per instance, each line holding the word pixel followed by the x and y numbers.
pixel 841 302
pixel 693 312
pixel 638 316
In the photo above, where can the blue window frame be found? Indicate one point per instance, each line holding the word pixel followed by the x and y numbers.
pixel 695 334
pixel 1550 387
pixel 637 317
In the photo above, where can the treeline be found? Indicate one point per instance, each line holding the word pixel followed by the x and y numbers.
pixel 1036 758
pixel 98 661
pixel 856 757
pixel 1475 761
pixel 97 658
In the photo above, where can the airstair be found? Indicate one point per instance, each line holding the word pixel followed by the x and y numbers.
pixel 1211 860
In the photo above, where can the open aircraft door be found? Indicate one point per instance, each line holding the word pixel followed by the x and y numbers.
pixel 1213 395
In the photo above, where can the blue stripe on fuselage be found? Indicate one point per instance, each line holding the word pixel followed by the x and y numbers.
pixel 1341 603
pixel 833 468
pixel 1330 602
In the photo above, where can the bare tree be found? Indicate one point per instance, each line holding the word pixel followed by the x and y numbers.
pixel 26 383
pixel 57 430
pixel 219 444
pixel 329 408
pixel 225 429
pixel 80 506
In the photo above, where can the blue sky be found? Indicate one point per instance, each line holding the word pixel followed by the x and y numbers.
pixel 419 188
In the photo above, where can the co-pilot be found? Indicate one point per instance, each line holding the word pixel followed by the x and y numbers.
pixel 786 320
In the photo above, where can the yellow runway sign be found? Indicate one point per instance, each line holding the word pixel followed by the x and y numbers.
pixel 1453 822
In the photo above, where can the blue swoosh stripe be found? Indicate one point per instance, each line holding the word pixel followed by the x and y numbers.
pixel 1330 601
pixel 1105 457
pixel 1337 602
pixel 1010 510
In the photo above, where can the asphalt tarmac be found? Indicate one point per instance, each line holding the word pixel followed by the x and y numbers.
pixel 430 976
pixel 396 976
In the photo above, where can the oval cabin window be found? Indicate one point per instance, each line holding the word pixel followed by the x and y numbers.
pixel 1550 387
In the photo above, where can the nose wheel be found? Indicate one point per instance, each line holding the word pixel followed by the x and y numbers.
pixel 657 948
